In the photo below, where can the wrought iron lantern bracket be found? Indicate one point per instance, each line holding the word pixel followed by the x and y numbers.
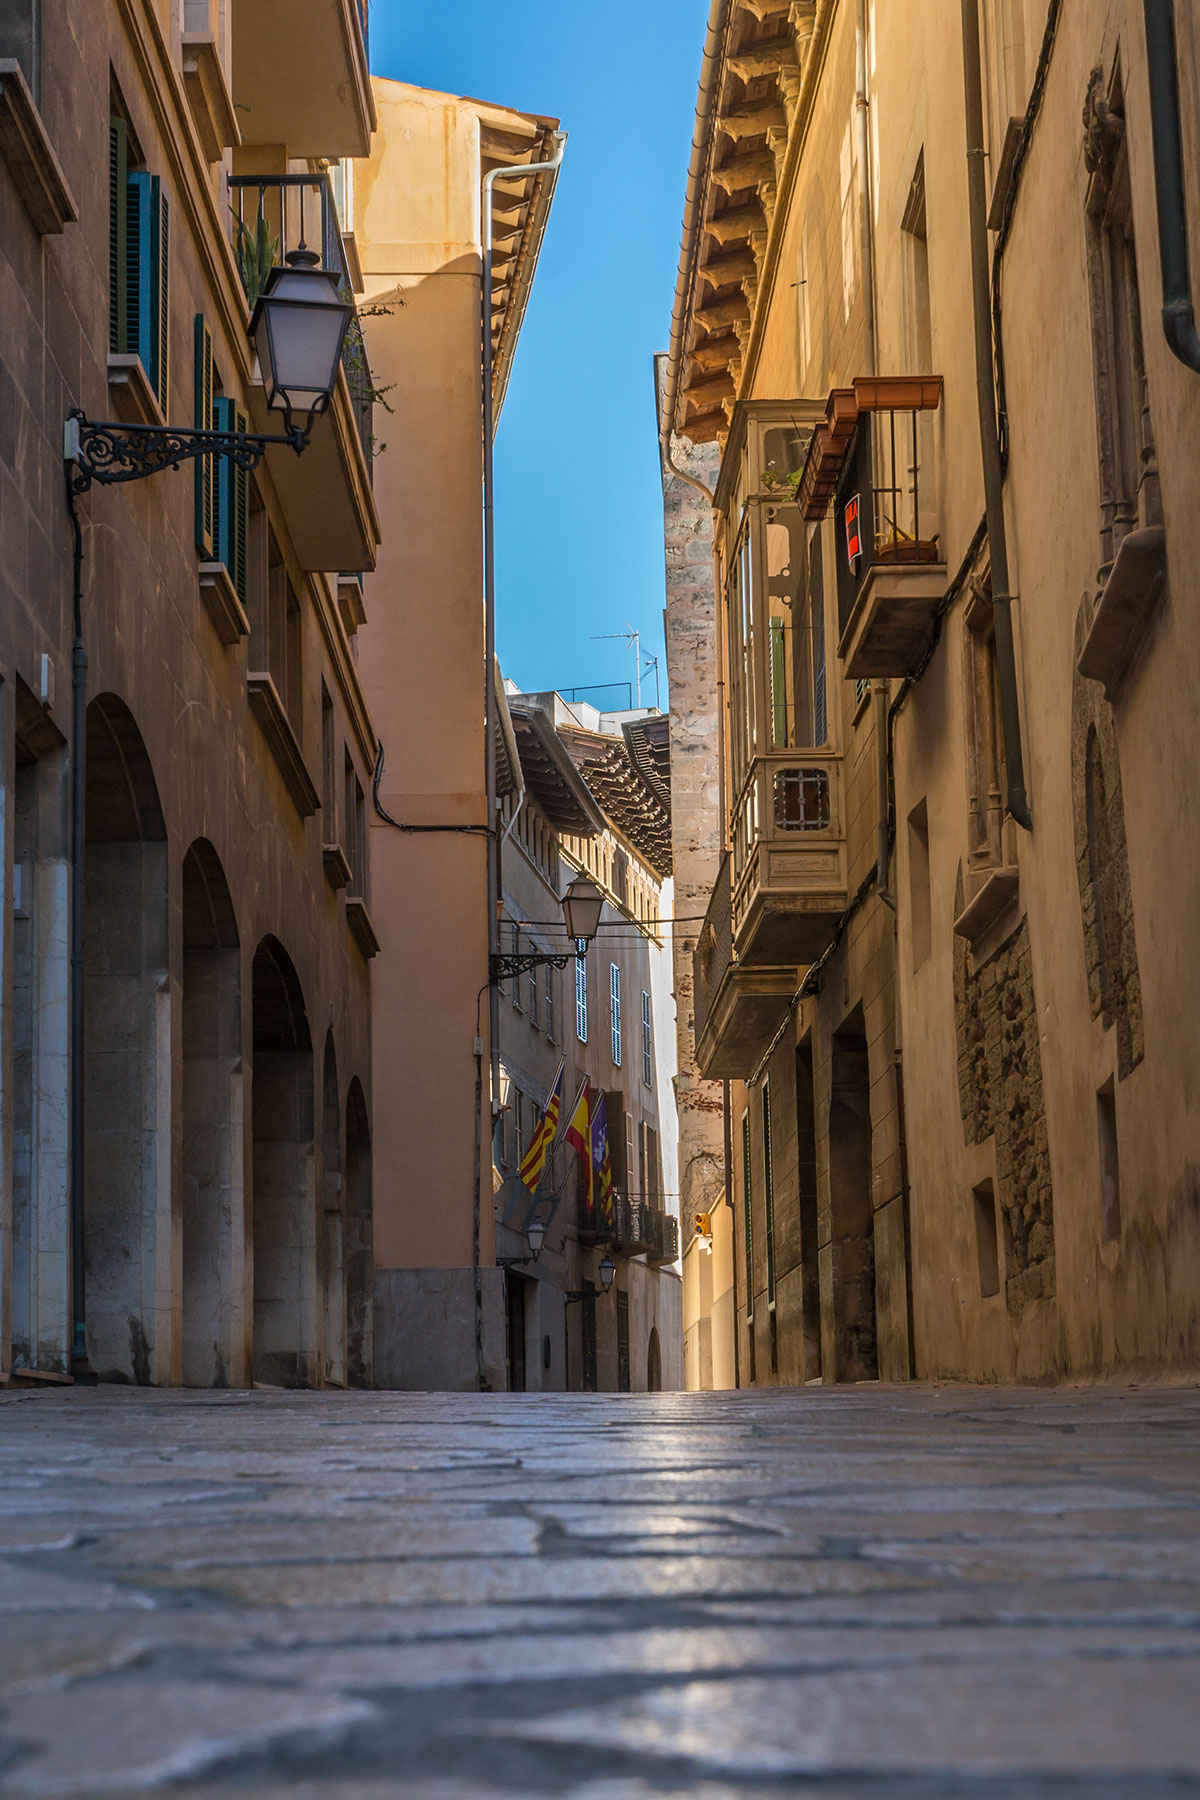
pixel 508 968
pixel 104 451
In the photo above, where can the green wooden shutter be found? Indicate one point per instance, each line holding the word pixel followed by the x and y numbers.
pixel 139 334
pixel 162 307
pixel 779 721
pixel 118 225
pixel 202 418
pixel 748 1199
pixel 231 499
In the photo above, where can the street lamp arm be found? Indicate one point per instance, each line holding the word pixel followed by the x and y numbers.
pixel 507 968
pixel 105 451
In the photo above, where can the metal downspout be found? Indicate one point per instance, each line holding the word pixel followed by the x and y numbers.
pixel 866 226
pixel 993 479
pixel 550 167
pixel 1178 310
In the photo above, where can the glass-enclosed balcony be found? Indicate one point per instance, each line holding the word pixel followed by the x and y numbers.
pixel 786 832
pixel 875 457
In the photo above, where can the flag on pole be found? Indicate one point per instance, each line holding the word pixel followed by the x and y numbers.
pixel 601 1160
pixel 543 1138
pixel 579 1135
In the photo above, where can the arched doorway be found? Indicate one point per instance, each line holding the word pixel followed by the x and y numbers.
pixel 286 1293
pixel 127 1016
pixel 654 1363
pixel 212 1210
pixel 333 1263
pixel 359 1244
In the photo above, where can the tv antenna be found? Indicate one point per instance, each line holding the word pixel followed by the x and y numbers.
pixel 644 661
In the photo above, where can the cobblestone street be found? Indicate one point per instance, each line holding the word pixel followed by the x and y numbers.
pixel 862 1593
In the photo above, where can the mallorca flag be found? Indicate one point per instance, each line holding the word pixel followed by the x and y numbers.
pixel 578 1135
pixel 601 1160
pixel 543 1137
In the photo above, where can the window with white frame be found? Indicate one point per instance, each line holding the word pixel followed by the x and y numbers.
pixel 647 1042
pixel 581 999
pixel 614 989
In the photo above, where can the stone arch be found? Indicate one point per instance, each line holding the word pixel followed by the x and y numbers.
pixel 359 1243
pixel 1102 863
pixel 286 1293
pixel 126 1035
pixel 213 1199
pixel 333 1224
pixel 654 1363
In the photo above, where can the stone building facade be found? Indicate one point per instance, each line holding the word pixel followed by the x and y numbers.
pixel 217 1175
pixel 944 966
pixel 577 799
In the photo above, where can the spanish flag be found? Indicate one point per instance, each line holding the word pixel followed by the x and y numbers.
pixel 543 1137
pixel 579 1135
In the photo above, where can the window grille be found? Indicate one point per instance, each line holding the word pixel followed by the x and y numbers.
pixel 647 1042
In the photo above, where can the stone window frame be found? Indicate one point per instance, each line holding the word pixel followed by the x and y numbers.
pixel 1128 468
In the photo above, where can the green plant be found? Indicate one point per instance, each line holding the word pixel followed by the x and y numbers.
pixel 257 253
pixel 772 482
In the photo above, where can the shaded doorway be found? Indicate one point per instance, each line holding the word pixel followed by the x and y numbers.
pixel 333 1246
pixel 359 1244
pixel 212 1206
pixel 855 1347
pixel 514 1328
pixel 654 1363
pixel 286 1292
pixel 806 1186
pixel 624 1381
pixel 126 1051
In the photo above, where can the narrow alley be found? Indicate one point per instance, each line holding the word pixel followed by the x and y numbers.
pixel 858 1592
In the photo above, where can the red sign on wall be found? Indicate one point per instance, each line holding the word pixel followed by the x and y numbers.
pixel 853 534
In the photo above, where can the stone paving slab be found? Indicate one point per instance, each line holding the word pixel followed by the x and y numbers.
pixel 862 1594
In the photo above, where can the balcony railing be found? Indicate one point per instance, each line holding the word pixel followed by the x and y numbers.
pixel 787 865
pixel 274 214
pixel 875 458
pixel 636 1228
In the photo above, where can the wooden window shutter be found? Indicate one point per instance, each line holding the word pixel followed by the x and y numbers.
pixel 162 307
pixel 202 418
pixel 118 225
pixel 231 499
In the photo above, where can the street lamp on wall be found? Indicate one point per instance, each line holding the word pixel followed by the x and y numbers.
pixel 298 328
pixel 582 905
pixel 607 1273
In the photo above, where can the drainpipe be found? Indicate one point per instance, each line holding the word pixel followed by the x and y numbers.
pixel 550 166
pixel 993 479
pixel 1178 312
pixel 866 227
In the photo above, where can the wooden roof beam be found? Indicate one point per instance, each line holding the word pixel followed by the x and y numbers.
pixel 758 62
pixel 743 172
pixel 725 271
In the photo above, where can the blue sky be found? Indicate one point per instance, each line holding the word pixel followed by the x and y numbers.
pixel 579 503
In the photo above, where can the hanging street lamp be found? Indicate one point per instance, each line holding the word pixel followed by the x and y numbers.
pixel 582 905
pixel 298 328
